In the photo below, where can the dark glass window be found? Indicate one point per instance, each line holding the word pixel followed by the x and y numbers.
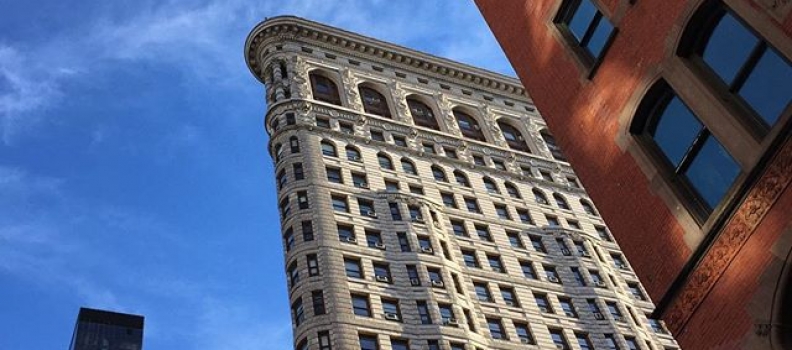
pixel 461 178
pixel 329 149
pixel 298 171
pixel 340 203
pixel 470 258
pixel 368 342
pixel 482 292
pixel 448 199
pixel 469 126
pixel 422 115
pixel 459 228
pixel 540 197
pixel 408 166
pixel 587 207
pixel 528 269
pixel 317 297
pixel 423 312
pixel 307 230
pixel 374 102
pixel 297 312
pixel 694 159
pixel 496 328
pixel 560 201
pixel 559 339
pixel 491 186
pixel 543 303
pixel 353 268
pixel 588 27
pixel 324 340
pixel 324 89
pixel 512 190
pixel 334 175
pixel 313 265
pixel 472 205
pixel 439 174
pixel 751 69
pixel 554 149
pixel 359 180
pixel 384 161
pixel 524 333
pixel 360 305
pixel 353 154
pixel 513 137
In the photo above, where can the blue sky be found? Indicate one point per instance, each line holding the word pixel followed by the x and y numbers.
pixel 133 167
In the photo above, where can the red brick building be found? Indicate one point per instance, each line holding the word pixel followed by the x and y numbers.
pixel 676 116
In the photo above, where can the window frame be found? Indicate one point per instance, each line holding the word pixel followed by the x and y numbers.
pixel 566 13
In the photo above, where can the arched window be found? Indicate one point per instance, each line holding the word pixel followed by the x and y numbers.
pixel 743 64
pixel 439 174
pixel 490 185
pixel 329 149
pixel 352 153
pixel 374 102
pixel 587 207
pixel 513 137
pixel 560 201
pixel 384 161
pixel 552 146
pixel 422 115
pixel 687 153
pixel 408 166
pixel 468 126
pixel 295 144
pixel 512 190
pixel 540 197
pixel 461 178
pixel 324 89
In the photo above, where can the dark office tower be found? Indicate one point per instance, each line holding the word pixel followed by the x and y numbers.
pixel 106 330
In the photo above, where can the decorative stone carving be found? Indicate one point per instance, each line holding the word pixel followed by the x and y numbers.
pixel 350 83
pixel 445 109
pixel 299 77
pixel 400 101
pixel 778 8
pixel 727 245
pixel 486 112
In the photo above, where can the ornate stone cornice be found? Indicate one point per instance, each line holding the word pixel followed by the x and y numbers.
pixel 283 28
pixel 749 214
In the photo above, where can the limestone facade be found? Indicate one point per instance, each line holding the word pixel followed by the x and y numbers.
pixel 400 235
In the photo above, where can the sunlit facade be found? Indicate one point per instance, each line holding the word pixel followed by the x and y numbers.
pixel 424 205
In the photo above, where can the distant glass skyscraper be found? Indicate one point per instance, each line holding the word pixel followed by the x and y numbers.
pixel 106 330
pixel 425 206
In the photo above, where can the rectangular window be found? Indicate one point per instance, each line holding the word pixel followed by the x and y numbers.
pixel 317 297
pixel 568 307
pixel 448 200
pixel 496 328
pixel 483 232
pixel 374 239
pixel 302 199
pixel 583 341
pixel 391 309
pixel 340 203
pixel 610 342
pixel 377 135
pixel 299 174
pixel 428 148
pixel 551 274
pixel 366 208
pixel 459 228
pixel 450 153
pixel 446 313
pixel 382 273
pixel 404 243
pixel 436 277
pixel 524 333
pixel 583 23
pixel 543 303
pixel 470 321
pixel 346 233
pixel 423 312
pixel 360 305
pixel 334 175
pixel 395 212
pixel 353 268
pixel 425 243
pixel 313 265
pixel 472 205
pixel 346 128
pixel 399 344
pixel 495 263
pixel 562 245
pixel 536 243
pixel 391 186
pixel 509 296
pixel 412 273
pixel 470 258
pixel 399 141
pixel 482 292
pixel 552 221
pixel 359 180
pixel 578 276
pixel 559 339
pixel 525 217
pixel 502 211
pixel 307 228
pixel 323 122
pixel 528 269
pixel 368 342
pixel 514 239
pixel 297 312
pixel 324 340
